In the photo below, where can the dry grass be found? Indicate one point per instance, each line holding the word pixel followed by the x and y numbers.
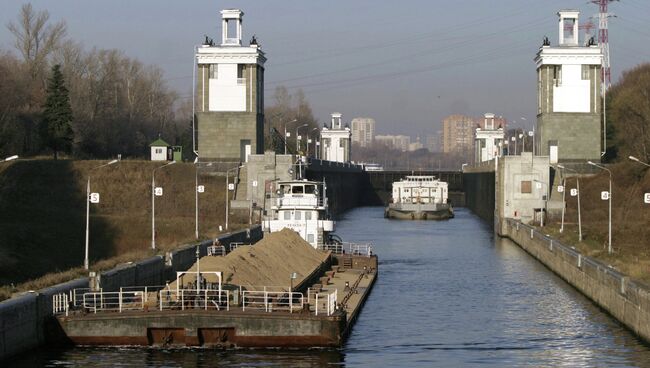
pixel 42 215
pixel 630 220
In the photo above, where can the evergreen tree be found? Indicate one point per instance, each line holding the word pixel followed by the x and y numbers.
pixel 56 129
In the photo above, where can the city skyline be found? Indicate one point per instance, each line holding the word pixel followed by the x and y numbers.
pixel 406 69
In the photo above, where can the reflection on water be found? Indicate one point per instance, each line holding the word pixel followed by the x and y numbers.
pixel 448 294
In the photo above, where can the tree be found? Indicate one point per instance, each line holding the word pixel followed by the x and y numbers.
pixel 629 113
pixel 56 128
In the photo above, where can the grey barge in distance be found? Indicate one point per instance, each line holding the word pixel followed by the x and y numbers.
pixel 419 197
pixel 220 301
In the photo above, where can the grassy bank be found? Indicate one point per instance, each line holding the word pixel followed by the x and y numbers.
pixel 630 219
pixel 43 215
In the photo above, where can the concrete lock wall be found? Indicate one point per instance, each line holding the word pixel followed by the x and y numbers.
pixel 625 300
pixel 24 319
pixel 479 193
pixel 345 183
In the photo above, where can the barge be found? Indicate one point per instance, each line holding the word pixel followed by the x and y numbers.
pixel 419 197
pixel 219 301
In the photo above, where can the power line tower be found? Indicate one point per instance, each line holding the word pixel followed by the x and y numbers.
pixel 603 40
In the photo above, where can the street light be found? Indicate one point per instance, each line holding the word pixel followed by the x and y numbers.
pixel 578 194
pixel 153 203
pixel 88 210
pixel 285 134
pixel 227 190
pixel 309 140
pixel 545 201
pixel 298 138
pixel 609 199
pixel 639 161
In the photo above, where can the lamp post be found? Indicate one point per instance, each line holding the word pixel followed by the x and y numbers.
pixel 309 140
pixel 639 161
pixel 298 138
pixel 578 194
pixel 196 195
pixel 153 203
pixel 86 262
pixel 609 199
pixel 545 201
pixel 228 189
pixel 285 134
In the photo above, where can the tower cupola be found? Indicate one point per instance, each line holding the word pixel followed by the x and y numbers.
pixel 231 33
pixel 568 27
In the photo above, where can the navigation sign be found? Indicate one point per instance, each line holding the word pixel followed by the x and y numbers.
pixel 94 197
pixel 574 192
pixel 231 186
pixel 254 183
pixel 200 189
pixel 158 191
pixel 604 195
pixel 538 185
pixel 513 139
pixel 530 134
pixel 646 198
pixel 560 188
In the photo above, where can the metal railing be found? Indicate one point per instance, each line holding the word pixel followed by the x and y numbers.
pixel 60 303
pixel 235 245
pixel 184 299
pixel 216 250
pixel 270 301
pixel 325 303
pixel 357 249
pixel 114 301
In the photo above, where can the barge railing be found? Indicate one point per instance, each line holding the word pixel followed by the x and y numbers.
pixel 270 301
pixel 216 250
pixel 325 303
pixel 357 249
pixel 193 299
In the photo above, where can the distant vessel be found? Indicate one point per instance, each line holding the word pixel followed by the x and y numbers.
pixel 419 197
pixel 301 206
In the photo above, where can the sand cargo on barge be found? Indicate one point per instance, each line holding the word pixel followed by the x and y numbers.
pixel 280 292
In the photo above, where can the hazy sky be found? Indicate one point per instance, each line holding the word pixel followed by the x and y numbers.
pixel 407 64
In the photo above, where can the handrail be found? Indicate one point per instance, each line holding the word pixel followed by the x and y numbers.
pixel 270 301
pixel 357 249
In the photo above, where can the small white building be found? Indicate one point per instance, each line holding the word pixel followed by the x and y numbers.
pixel 336 140
pixel 159 150
pixel 488 140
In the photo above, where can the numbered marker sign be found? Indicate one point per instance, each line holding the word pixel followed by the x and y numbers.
pixel 158 191
pixel 530 134
pixel 574 192
pixel 94 197
pixel 560 188
pixel 200 189
pixel 646 198
pixel 538 185
pixel 254 183
pixel 604 195
pixel 231 186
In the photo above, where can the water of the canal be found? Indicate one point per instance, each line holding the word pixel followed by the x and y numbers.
pixel 449 294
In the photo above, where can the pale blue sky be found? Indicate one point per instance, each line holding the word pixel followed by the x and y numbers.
pixel 407 64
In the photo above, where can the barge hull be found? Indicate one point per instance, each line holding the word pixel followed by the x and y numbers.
pixel 419 212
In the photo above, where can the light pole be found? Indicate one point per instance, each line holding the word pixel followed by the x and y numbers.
pixel 153 203
pixel 196 195
pixel 639 161
pixel 545 201
pixel 609 199
pixel 228 189
pixel 298 138
pixel 309 140
pixel 285 134
pixel 86 262
pixel 578 194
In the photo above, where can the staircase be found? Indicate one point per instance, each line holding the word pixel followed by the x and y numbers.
pixel 238 197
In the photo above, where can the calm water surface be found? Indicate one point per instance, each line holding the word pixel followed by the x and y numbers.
pixel 449 294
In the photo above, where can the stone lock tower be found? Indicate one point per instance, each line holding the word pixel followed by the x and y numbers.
pixel 229 100
pixel 569 95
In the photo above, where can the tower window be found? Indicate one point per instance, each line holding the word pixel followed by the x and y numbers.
pixel 585 72
pixel 557 75
pixel 212 71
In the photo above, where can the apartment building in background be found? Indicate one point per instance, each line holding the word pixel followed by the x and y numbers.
pixel 363 131
pixel 458 133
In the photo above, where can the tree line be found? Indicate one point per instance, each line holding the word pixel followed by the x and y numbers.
pixel 118 105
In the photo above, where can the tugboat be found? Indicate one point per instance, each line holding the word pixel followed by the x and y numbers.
pixel 301 205
pixel 419 197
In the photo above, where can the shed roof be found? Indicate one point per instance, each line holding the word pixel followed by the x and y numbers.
pixel 159 143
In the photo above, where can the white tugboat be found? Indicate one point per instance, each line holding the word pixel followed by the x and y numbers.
pixel 420 198
pixel 301 205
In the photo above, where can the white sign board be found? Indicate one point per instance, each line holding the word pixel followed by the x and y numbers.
pixel 646 198
pixel 231 186
pixel 574 192
pixel 254 183
pixel 604 195
pixel 512 138
pixel 530 134
pixel 94 197
pixel 538 185
pixel 560 188
pixel 158 191
pixel 200 188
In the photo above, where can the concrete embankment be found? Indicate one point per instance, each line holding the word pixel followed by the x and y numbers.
pixel 25 320
pixel 624 299
pixel 478 185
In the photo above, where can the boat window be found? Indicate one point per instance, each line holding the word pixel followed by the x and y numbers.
pixel 307 215
pixel 297 189
pixel 286 189
pixel 309 189
pixel 297 215
pixel 287 215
